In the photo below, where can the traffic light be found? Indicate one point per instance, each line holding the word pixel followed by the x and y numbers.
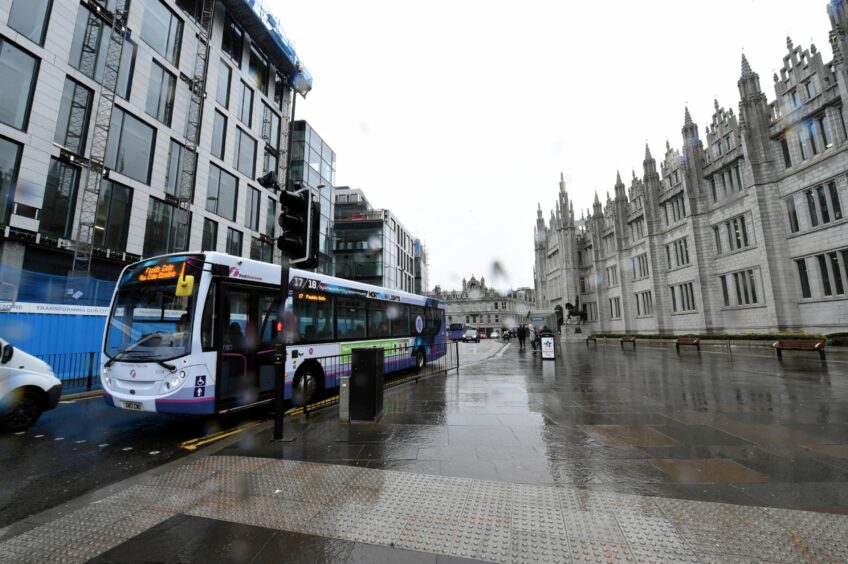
pixel 294 219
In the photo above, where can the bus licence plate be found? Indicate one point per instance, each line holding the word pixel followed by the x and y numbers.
pixel 134 405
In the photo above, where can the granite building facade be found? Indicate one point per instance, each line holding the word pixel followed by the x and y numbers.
pixel 485 308
pixel 741 230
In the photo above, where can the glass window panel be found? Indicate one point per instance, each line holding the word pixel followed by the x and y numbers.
pixel 278 90
pixel 251 219
pixel 129 149
pixel 270 217
pixel 113 216
pixel 825 214
pixel 802 275
pixel 222 93
pixel 811 205
pixel 258 69
pixel 210 235
pixel 10 155
pixel 60 196
pixel 160 93
pixel 824 125
pixel 350 318
pixel 834 200
pixel 174 170
pixel 219 135
pixel 126 70
pixel 74 113
pixel 837 274
pixel 793 214
pixel 162 30
pixel 246 108
pixel 194 8
pixel 234 242
pixel 825 276
pixel 787 159
pixel 29 18
pixel 19 70
pixel 232 40
pixel 221 193
pixel 245 158
pixel 166 231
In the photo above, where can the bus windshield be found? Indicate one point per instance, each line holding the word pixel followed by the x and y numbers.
pixel 148 321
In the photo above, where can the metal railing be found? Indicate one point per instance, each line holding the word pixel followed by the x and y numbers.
pixel 77 371
pixel 399 365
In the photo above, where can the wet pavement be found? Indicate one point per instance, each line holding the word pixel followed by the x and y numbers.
pixel 605 455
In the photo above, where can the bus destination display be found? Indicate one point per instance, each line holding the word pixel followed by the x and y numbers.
pixel 159 272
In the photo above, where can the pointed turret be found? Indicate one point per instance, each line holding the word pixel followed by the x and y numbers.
pixel 687 119
pixel 649 165
pixel 754 116
pixel 746 68
pixel 620 193
pixel 562 187
pixel 647 151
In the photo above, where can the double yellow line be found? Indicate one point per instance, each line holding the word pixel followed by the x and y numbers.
pixel 194 444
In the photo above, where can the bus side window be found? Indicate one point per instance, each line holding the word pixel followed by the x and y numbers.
pixel 378 320
pixel 207 324
pixel 268 305
pixel 350 318
pixel 400 326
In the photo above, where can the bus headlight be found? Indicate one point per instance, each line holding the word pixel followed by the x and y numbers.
pixel 173 381
pixel 108 381
pixel 182 374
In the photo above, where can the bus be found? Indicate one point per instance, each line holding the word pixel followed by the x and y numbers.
pixel 456 331
pixel 194 333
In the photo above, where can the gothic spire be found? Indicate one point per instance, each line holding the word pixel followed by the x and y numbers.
pixel 647 151
pixel 746 67
pixel 687 119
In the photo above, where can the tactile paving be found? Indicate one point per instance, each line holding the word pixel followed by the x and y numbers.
pixel 655 532
pixel 598 552
pixel 530 547
pixel 590 525
pixel 482 542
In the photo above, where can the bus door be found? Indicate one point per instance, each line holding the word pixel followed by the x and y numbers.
pixel 267 304
pixel 237 375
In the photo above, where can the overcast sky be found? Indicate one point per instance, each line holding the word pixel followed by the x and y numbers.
pixel 459 115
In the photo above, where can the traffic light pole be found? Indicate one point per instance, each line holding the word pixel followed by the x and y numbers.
pixel 280 353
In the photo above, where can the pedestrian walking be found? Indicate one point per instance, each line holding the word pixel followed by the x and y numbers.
pixel 522 336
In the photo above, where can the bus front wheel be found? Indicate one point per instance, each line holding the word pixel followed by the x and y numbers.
pixel 308 383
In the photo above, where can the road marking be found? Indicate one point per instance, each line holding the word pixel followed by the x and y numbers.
pixel 20 432
pixel 103 445
pixel 38 436
pixel 125 449
pixel 59 439
pixel 502 351
pixel 153 452
pixel 194 444
pixel 80 442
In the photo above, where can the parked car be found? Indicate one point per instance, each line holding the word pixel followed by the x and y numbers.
pixel 483 335
pixel 471 335
pixel 28 387
pixel 495 335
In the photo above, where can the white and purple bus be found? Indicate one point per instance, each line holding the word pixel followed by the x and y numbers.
pixel 195 333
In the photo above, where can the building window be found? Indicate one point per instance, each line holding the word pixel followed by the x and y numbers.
pixel 644 303
pixel 811 206
pixel 251 219
pixel 615 308
pixel 811 135
pixel 233 40
pixel 173 174
pixel 803 143
pixel 737 234
pixel 811 89
pixel 802 276
pixel 793 214
pixel 129 149
pixel 162 30
pixel 89 47
pixel 210 235
pixel 270 127
pixel 261 250
pixel 279 88
pixel 160 93
pixel 10 157
pixel 744 288
pixel 269 161
pixel 234 242
pixel 824 125
pixel 246 108
pixel 60 197
pixel 29 18
pixel 74 113
pixel 713 189
pixel 270 217
pixel 167 229
pixel 787 159
pixel 222 193
pixel 19 70
pixel 678 207
pixel 640 267
pixel 225 75
pixel 245 157
pixel 683 297
pixel 612 276
pixel 219 135
pixel 834 200
pixel 677 253
pixel 258 69
pixel 717 234
pixel 113 216
pixel 825 276
pixel 796 99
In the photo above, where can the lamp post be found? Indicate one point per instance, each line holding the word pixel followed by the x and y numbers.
pixel 300 85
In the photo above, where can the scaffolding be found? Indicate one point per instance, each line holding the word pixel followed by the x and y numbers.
pixel 91 50
pixel 185 192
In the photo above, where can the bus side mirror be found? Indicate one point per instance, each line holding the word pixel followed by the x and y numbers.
pixel 8 350
pixel 185 286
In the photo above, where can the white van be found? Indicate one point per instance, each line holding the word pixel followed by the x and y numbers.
pixel 28 387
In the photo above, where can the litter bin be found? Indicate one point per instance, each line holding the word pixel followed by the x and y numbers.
pixel 366 384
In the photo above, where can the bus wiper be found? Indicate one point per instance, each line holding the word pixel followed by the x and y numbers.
pixel 164 364
pixel 115 358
